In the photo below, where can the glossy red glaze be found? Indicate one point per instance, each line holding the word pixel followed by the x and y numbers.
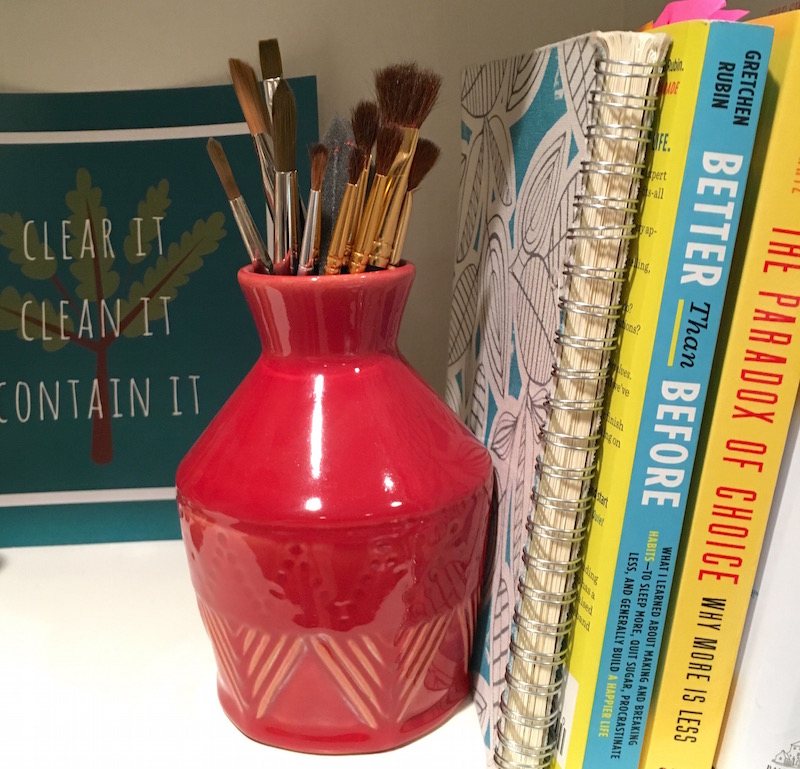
pixel 335 515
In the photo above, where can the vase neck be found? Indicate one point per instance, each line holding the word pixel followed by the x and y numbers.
pixel 327 315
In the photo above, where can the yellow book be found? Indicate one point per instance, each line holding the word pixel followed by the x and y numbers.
pixel 693 193
pixel 757 371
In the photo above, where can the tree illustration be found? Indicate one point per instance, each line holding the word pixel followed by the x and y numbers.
pixel 96 281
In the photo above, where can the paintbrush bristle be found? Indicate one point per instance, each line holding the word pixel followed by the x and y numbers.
pixel 319 160
pixel 250 96
pixel 269 54
pixel 425 157
pixel 355 164
pixel 406 94
pixel 390 139
pixel 365 120
pixel 284 125
pixel 223 168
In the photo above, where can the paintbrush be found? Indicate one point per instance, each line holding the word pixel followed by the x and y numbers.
pixel 309 248
pixel 338 245
pixel 269 54
pixel 254 109
pixel 425 157
pixel 287 207
pixel 340 141
pixel 253 243
pixel 365 121
pixel 406 95
pixel 390 139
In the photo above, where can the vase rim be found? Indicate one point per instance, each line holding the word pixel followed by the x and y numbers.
pixel 247 277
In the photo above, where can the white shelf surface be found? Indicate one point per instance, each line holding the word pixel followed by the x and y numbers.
pixel 104 662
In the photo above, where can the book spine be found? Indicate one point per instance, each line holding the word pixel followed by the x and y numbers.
pixel 660 384
pixel 761 722
pixel 757 373
pixel 709 208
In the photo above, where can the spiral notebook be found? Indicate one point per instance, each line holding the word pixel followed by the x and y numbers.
pixel 553 146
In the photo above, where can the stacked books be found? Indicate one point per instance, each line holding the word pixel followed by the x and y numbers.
pixel 651 455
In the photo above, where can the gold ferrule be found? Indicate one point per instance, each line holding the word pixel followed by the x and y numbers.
pixel 333 262
pixel 402 230
pixel 370 223
pixel 381 249
pixel 358 209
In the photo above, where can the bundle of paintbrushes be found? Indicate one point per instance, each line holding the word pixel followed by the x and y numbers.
pixel 363 176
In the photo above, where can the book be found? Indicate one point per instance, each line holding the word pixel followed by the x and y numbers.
pixel 553 150
pixel 762 721
pixel 755 380
pixel 673 303
pixel 115 236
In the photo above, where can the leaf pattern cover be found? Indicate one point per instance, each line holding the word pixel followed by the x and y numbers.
pixel 523 141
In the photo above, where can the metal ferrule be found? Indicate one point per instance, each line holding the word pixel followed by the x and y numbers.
pixel 309 248
pixel 253 243
pixel 286 223
pixel 270 85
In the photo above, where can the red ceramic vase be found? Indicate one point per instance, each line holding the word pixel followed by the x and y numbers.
pixel 335 516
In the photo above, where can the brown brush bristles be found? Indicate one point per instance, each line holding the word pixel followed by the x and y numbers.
pixel 425 157
pixel 390 138
pixel 406 94
pixel 223 169
pixel 250 96
pixel 319 159
pixel 354 165
pixel 284 127
pixel 269 54
pixel 365 120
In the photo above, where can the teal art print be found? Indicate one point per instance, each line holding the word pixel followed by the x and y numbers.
pixel 122 326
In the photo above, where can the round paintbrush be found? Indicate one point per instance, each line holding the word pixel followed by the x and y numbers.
pixel 254 109
pixel 309 248
pixel 253 243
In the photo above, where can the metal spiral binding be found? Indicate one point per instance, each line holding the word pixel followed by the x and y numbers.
pixel 543 617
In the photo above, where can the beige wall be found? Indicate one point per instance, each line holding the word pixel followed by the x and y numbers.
pixel 54 45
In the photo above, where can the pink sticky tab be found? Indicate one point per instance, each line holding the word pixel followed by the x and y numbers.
pixel 687 10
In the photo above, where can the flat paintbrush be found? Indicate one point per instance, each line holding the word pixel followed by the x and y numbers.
pixel 287 206
pixel 425 157
pixel 269 54
pixel 406 95
pixel 254 109
pixel 253 243
pixel 390 139
pixel 309 248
